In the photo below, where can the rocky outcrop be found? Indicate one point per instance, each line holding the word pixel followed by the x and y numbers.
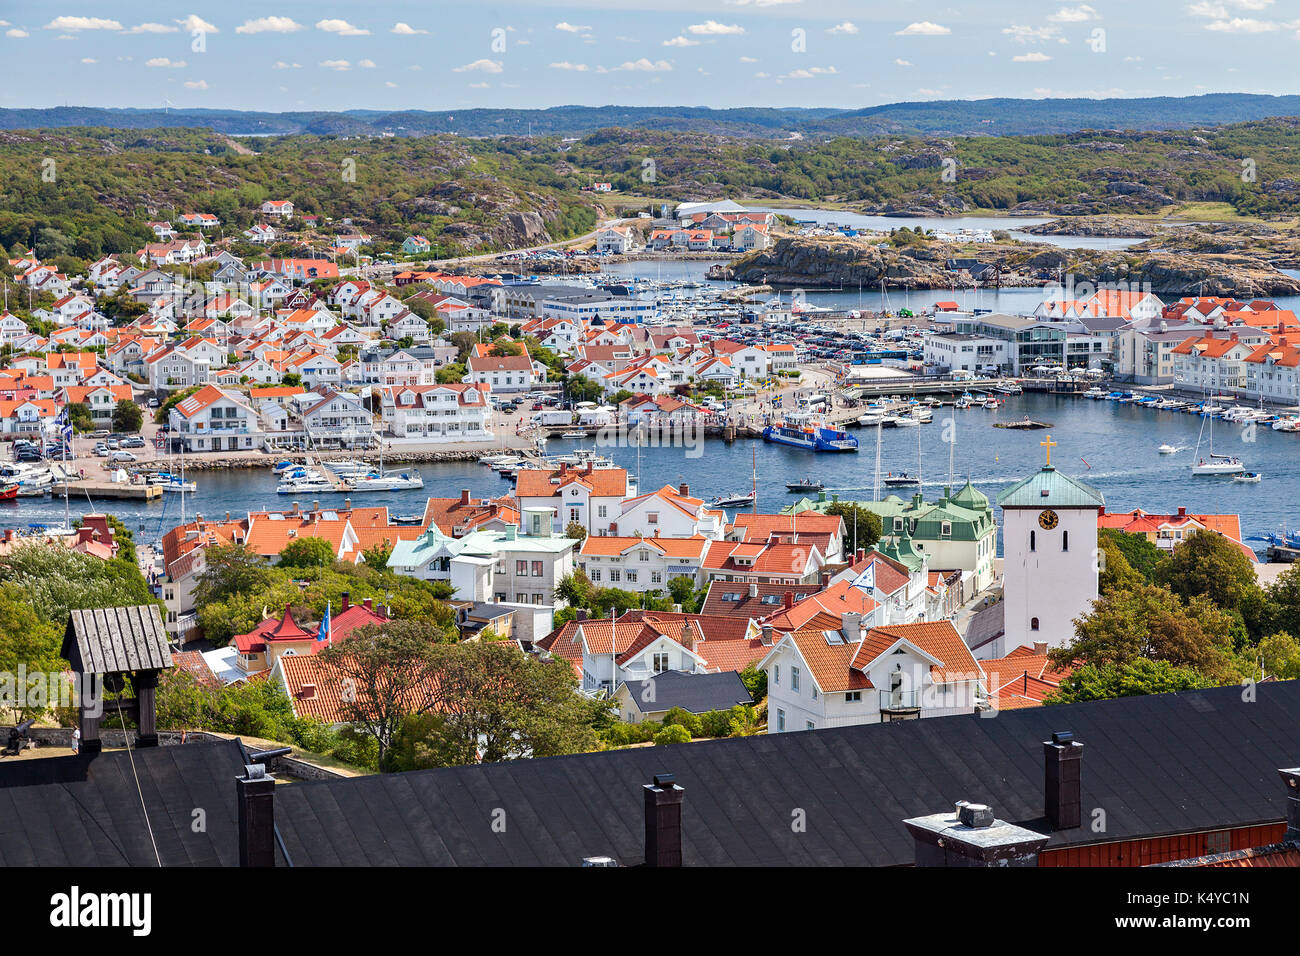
pixel 833 263
pixel 1105 226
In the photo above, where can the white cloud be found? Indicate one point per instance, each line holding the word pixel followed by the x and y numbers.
pixel 281 65
pixel 366 64
pixel 1215 11
pixel 645 66
pixel 1243 25
pixel 1028 34
pixel 809 73
pixel 681 41
pixel 269 25
pixel 1080 14
pixel 88 59
pixel 196 24
pixel 749 59
pixel 82 23
pixel 573 67
pixel 161 62
pixel 480 66
pixel 152 28
pixel 16 33
pixel 902 63
pixel 571 27
pixel 1031 58
pixel 406 30
pixel 846 27
pixel 196 84
pixel 923 29
pixel 713 28
pixel 340 66
pixel 342 28
pixel 390 84
pixel 480 86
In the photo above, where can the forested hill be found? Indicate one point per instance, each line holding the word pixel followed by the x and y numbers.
pixel 943 117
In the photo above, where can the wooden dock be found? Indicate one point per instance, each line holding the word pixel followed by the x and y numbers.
pixel 121 490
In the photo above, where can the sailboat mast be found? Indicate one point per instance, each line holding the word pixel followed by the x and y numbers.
pixel 875 487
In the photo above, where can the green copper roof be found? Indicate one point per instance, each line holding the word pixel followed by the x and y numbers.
pixel 970 497
pixel 899 548
pixel 1049 488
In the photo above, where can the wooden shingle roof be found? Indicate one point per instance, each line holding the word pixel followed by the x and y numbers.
pixel 116 639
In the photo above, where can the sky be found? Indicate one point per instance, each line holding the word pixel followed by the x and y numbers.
pixel 847 54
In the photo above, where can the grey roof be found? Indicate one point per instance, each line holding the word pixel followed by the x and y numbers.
pixel 697 693
pixel 1049 488
pixel 1158 765
pixel 1102 323
pixel 986 624
pixel 115 639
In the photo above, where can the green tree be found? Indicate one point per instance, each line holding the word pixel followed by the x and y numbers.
pixel 755 682
pixel 574 589
pixel 451 374
pixel 377 556
pixel 582 389
pixel 672 734
pixel 307 553
pixel 575 530
pixel 1209 564
pixel 862 526
pixel 160 416
pixel 1115 573
pixel 80 417
pixel 1130 679
pixel 1278 656
pixel 1153 623
pixel 1141 554
pixel 292 379
pixel 504 347
pixel 127 416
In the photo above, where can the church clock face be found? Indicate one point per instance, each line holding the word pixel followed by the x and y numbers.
pixel 1048 519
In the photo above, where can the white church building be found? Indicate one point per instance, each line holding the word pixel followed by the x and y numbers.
pixel 1049 543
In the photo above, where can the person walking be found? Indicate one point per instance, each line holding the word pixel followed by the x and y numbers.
pixel 76 740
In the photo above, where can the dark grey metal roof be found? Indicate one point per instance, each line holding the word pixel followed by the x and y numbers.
pixel 115 639
pixel 696 693
pixel 1156 766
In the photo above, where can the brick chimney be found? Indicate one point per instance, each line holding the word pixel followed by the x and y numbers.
pixel 861 555
pixel 347 601
pixel 788 599
pixel 684 490
pixel 1062 781
pixel 1182 512
pixel 767 635
pixel 368 604
pixel 970 835
pixel 582 614
pixel 464 497
pixel 256 816
pixel 663 821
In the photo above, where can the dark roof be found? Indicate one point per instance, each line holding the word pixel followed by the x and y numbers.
pixel 1158 765
pixel 752 608
pixel 986 624
pixel 86 811
pixel 697 693
pixel 115 639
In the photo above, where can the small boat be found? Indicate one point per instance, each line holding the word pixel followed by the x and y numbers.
pixel 1247 477
pixel 806 485
pixel 733 501
pixel 285 465
pixel 390 481
pixel 9 491
pixel 1167 449
pixel 905 421
pixel 308 482
pixel 902 479
pixel 349 467
pixel 574 434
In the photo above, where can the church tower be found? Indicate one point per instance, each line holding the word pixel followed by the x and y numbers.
pixel 1049 547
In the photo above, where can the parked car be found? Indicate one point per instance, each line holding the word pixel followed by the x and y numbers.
pixel 122 456
pixel 135 441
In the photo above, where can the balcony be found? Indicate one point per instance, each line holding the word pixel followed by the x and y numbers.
pixel 900 704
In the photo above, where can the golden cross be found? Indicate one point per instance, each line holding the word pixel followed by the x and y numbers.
pixel 1049 445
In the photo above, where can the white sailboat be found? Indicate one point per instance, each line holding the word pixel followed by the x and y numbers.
pixel 1214 464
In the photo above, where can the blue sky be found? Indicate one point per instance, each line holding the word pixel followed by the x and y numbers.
pixel 400 54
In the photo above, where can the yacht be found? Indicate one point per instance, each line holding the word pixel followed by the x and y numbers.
pixel 309 480
pixel 1218 465
pixel 349 467
pixel 733 501
pixel 1167 450
pixel 388 481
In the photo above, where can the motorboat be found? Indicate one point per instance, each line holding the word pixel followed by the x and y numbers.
pixel 574 434
pixel 1248 477
pixel 809 434
pixel 806 485
pixel 1167 450
pixel 9 491
pixel 900 480
pixel 1287 424
pixel 349 467
pixel 906 421
pixel 733 501
pixel 310 481
pixel 1095 393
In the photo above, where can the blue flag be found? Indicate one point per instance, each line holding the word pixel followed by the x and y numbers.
pixel 323 632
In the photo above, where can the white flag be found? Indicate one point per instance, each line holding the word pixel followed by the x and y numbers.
pixel 866 581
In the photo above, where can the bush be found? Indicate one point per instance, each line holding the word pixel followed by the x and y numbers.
pixel 672 734
pixel 621 734
pixel 684 718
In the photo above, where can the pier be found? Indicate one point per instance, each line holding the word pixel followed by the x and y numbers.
pixel 122 490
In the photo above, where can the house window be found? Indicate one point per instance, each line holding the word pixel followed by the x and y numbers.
pixel 853 697
pixel 794 679
pixel 521 568
pixel 537 569
pixel 660 662
pixel 615 574
pixel 652 517
pixel 521 598
pixel 776 673
pixel 600 511
pixel 780 720
pixel 1033 541
pixel 1033 623
pixel 643 556
pixel 1065 541
pixel 809 725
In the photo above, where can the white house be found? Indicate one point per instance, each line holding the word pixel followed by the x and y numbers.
pixel 439 413
pixel 214 419
pixel 639 563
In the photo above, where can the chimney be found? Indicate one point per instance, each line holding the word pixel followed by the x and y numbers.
pixel 464 497
pixel 1062 788
pixel 663 821
pixel 315 507
pixel 1182 512
pixel 367 603
pixel 753 589
pixel 852 627
pixel 971 836
pixel 347 601
pixel 767 635
pixel 684 490
pixel 347 504
pixel 582 614
pixel 860 555
pixel 307 692
pixel 1292 780
pixel 295 509
pixel 256 816
pixel 1040 647
pixel 788 599
pixel 587 470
